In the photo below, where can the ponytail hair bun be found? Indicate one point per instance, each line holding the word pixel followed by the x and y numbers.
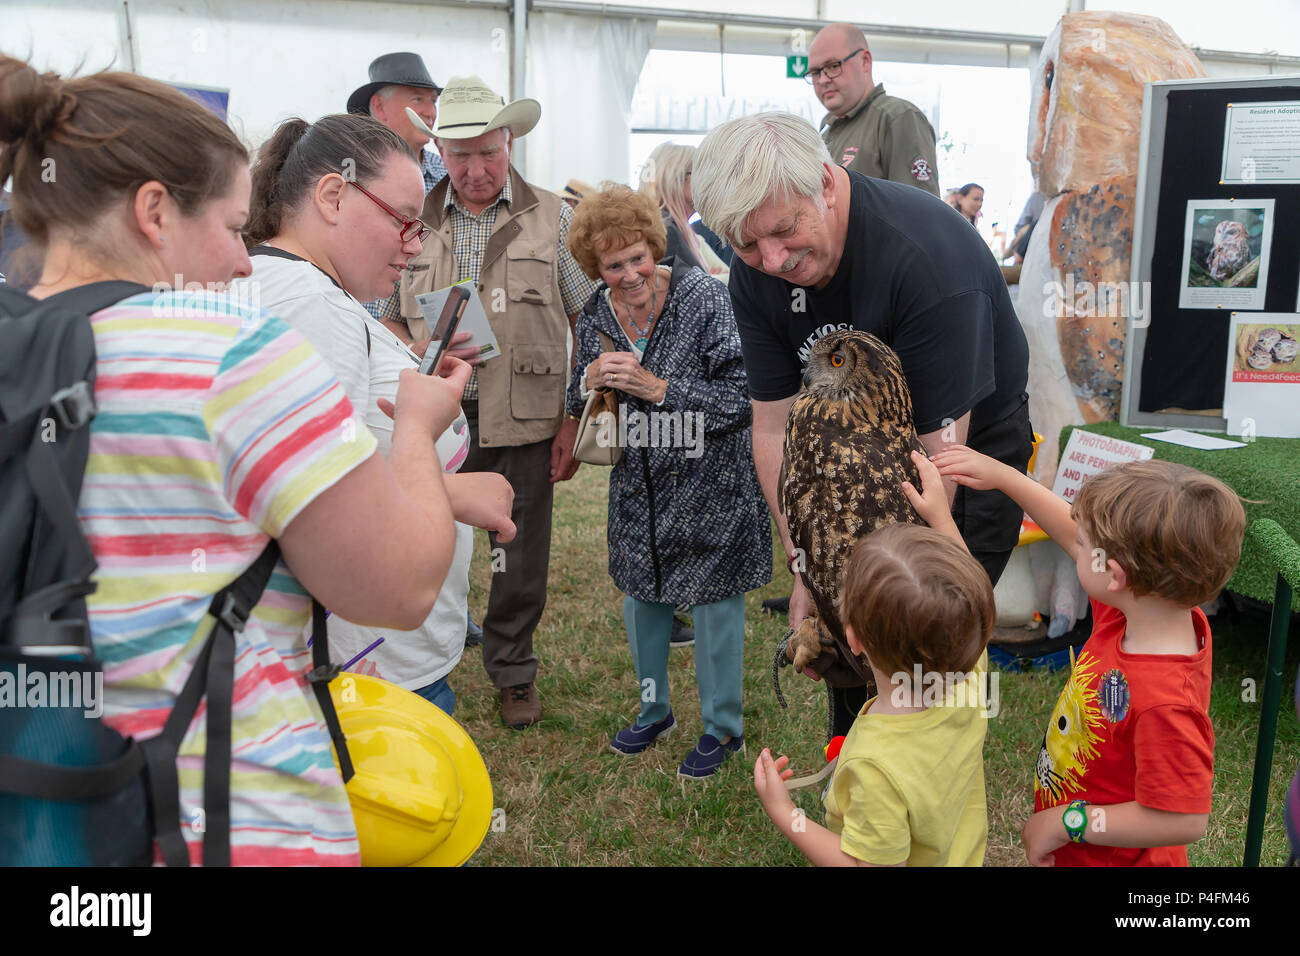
pixel 76 147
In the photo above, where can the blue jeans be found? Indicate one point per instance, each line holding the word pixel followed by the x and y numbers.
pixel 440 694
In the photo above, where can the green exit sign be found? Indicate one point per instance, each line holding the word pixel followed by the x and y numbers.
pixel 796 66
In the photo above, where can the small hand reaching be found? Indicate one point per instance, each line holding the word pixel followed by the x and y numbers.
pixel 769 783
pixel 968 467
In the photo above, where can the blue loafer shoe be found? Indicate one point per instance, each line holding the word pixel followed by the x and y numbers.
pixel 707 757
pixel 631 741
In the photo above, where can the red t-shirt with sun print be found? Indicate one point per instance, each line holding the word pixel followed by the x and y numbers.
pixel 1129 727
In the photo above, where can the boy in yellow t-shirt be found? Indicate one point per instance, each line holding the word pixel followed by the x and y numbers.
pixel 909 784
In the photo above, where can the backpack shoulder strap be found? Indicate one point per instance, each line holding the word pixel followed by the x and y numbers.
pixel 88 298
pixel 213 675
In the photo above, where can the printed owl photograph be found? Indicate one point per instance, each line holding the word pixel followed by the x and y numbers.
pixel 1226 248
pixel 1267 348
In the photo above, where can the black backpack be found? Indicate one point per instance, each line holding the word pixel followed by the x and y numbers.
pixel 72 790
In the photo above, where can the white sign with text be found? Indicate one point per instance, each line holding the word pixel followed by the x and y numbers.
pixel 1088 454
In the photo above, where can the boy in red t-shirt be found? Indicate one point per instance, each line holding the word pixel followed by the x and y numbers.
pixel 1126 768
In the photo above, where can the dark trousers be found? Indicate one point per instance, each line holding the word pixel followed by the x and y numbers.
pixel 519 567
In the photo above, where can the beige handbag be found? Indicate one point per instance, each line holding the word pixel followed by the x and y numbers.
pixel 597 441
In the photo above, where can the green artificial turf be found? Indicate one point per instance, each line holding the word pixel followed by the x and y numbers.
pixel 1266 471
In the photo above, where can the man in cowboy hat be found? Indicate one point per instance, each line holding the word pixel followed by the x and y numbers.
pixel 509 238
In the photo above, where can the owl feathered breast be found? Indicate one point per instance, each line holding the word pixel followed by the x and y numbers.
pixel 847 451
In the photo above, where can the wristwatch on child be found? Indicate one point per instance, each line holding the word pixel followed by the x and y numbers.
pixel 1075 820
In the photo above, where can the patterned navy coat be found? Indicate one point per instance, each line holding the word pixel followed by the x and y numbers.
pixel 682 529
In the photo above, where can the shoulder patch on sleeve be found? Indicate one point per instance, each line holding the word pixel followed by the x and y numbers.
pixel 921 170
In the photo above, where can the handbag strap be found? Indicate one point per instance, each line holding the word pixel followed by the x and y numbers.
pixel 606 343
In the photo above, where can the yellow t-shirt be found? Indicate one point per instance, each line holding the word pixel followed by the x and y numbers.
pixel 911 786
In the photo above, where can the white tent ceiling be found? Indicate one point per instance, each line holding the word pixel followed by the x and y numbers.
pixel 303 57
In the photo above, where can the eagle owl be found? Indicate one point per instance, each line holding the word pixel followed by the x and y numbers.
pixel 1231 251
pixel 848 444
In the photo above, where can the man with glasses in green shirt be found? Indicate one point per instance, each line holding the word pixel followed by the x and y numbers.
pixel 867 131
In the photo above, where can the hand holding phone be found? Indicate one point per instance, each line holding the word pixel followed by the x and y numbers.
pixel 448 321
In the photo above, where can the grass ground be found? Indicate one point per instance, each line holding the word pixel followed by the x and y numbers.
pixel 569 801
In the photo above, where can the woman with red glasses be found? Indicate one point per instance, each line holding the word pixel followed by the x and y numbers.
pixel 333 221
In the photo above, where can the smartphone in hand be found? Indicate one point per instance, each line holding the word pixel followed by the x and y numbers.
pixel 452 311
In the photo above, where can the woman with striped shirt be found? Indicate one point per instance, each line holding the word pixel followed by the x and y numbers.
pixel 218 428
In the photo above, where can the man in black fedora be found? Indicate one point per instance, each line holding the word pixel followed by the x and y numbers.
pixel 398 81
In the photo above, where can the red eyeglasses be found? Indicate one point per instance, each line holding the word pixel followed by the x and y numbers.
pixel 411 228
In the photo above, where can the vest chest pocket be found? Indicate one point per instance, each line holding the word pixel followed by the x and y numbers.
pixel 529 270
pixel 537 380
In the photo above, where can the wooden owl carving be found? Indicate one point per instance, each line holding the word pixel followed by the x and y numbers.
pixel 1085 125
pixel 848 443
pixel 1230 252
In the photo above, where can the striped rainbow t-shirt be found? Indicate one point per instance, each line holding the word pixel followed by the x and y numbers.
pixel 217 425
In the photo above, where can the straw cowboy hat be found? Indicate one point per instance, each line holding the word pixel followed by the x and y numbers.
pixel 391 69
pixel 577 189
pixel 468 108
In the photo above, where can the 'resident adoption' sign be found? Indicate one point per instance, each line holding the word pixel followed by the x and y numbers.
pixel 1087 454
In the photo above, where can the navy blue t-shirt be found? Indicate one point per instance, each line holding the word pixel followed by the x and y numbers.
pixel 917 276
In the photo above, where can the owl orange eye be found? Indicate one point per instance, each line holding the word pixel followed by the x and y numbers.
pixel 837 359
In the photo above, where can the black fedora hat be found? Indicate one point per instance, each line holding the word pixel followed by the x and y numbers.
pixel 392 69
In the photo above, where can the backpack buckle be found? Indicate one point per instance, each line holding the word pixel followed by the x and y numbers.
pixel 231 614
pixel 324 673
pixel 74 405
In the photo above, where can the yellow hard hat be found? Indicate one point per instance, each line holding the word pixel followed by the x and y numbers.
pixel 421 795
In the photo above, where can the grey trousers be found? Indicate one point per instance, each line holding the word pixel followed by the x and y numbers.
pixel 518 594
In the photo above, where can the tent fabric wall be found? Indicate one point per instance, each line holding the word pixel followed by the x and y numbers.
pixel 289 58
pixel 583 71
pixel 303 57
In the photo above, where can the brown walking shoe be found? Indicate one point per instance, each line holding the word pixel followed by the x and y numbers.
pixel 520 706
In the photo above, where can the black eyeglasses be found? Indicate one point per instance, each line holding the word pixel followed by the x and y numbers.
pixel 411 228
pixel 831 69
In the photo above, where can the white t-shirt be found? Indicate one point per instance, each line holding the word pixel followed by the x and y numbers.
pixel 336 325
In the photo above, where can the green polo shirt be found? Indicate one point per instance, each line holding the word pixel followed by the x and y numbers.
pixel 886 138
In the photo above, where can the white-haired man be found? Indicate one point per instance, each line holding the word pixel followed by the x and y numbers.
pixel 819 248
pixel 865 129
pixel 509 238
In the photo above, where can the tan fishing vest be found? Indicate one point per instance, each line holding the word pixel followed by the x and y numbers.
pixel 521 391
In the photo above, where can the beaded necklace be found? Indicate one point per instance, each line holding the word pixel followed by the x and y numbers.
pixel 643 335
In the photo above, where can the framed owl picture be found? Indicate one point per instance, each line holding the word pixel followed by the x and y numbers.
pixel 1226 247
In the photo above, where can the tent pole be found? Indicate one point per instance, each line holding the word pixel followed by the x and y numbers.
pixel 519 24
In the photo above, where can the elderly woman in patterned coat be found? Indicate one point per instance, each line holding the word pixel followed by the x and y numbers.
pixel 687 521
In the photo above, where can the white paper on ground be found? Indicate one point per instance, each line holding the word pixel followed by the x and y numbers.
pixel 1179 436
